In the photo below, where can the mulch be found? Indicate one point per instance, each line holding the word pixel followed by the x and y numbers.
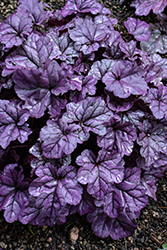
pixel 76 233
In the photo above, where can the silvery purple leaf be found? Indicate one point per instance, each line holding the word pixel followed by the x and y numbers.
pixel 33 54
pixel 107 21
pixel 130 193
pixel 39 48
pixel 59 138
pixel 120 135
pixel 152 141
pixel 40 160
pixel 99 173
pixel 135 117
pixel 13 191
pixel 157 41
pixel 100 68
pixel 55 107
pixel 149 183
pixel 117 104
pixel 155 68
pixel 35 213
pixel 87 35
pixel 90 114
pixel 14 29
pixel 85 206
pixel 65 46
pixel 13 124
pixel 60 184
pixel 82 64
pixel 35 10
pixel 144 7
pixel 104 226
pixel 88 89
pixel 88 86
pixel 131 51
pixel 81 6
pixel 36 88
pixel 157 99
pixel 139 29
pixel 125 79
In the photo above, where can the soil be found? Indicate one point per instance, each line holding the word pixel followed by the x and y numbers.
pixel 76 233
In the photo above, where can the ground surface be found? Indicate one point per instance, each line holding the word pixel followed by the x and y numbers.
pixel 152 223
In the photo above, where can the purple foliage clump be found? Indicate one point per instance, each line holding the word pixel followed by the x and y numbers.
pixel 83 113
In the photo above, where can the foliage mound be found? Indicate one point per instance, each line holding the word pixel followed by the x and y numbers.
pixel 83 115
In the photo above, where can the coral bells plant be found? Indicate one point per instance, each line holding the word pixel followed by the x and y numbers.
pixel 83 115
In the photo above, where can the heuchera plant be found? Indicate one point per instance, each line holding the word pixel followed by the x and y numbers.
pixel 83 115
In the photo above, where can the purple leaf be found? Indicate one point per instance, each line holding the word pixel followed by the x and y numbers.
pixel 157 99
pixel 13 191
pixel 125 79
pixel 58 184
pixel 81 6
pixel 90 114
pixel 87 35
pixel 144 7
pixel 36 88
pixel 139 29
pixel 120 135
pixel 35 10
pixel 35 213
pixel 59 139
pixel 99 173
pixel 85 206
pixel 14 29
pixel 33 54
pixel 117 104
pixel 13 124
pixel 157 41
pixel 104 226
pixel 100 68
pixel 65 46
pixel 130 193
pixel 152 141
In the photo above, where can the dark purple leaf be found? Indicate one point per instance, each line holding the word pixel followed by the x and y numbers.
pixel 13 191
pixel 120 135
pixel 35 10
pixel 130 193
pixel 87 35
pixel 14 29
pixel 33 54
pixel 36 88
pixel 90 114
pixel 157 41
pixel 59 138
pixel 157 99
pixel 100 68
pixel 99 173
pixel 81 6
pixel 152 141
pixel 139 29
pixel 85 206
pixel 35 213
pixel 117 104
pixel 13 124
pixel 65 46
pixel 60 184
pixel 125 79
pixel 144 7
pixel 104 226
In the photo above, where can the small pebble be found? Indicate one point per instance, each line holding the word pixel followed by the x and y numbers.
pixel 74 234
pixel 49 240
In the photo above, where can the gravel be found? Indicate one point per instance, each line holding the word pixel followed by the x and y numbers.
pixel 76 233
